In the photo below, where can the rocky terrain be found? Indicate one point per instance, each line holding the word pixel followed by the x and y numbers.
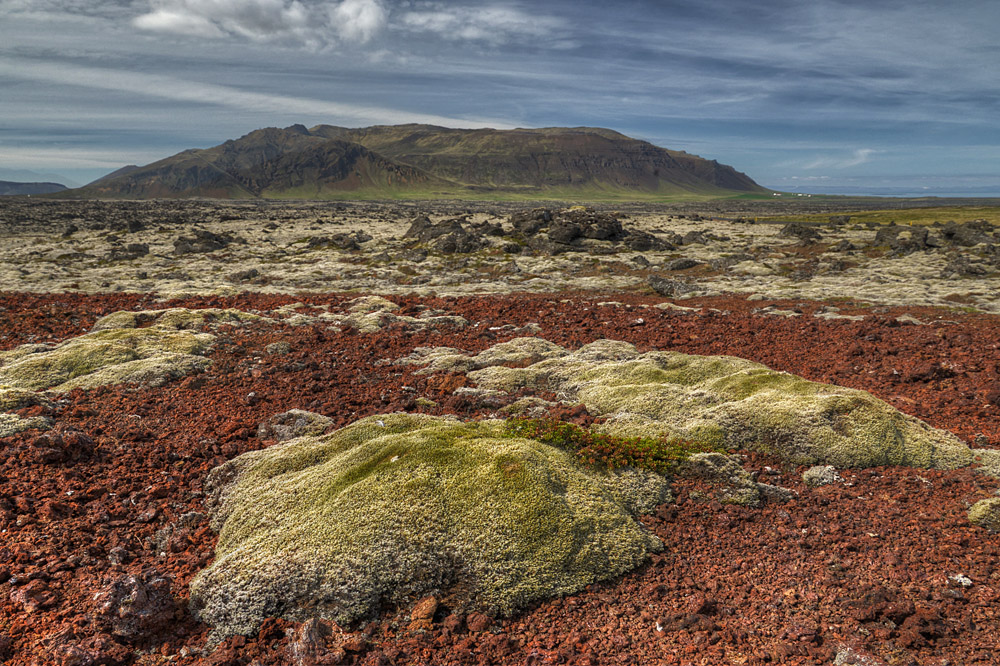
pixel 184 248
pixel 323 433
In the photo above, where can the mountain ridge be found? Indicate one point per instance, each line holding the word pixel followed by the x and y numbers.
pixel 425 161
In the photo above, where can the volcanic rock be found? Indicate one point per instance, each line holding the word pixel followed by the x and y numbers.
pixel 669 288
pixel 804 233
pixel 293 423
pixel 136 607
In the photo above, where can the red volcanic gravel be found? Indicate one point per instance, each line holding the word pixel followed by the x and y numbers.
pixel 102 525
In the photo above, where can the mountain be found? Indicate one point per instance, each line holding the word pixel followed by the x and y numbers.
pixel 419 161
pixel 8 188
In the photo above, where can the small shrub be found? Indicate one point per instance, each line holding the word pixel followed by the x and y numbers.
pixel 660 455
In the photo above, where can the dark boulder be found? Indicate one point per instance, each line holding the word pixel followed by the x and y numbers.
pixel 669 288
pixel 562 231
pixel 804 233
pixel 202 241
pixel 531 222
pixel 681 264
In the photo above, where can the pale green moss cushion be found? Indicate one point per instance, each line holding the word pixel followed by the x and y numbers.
pixel 732 402
pixel 401 505
pixel 111 356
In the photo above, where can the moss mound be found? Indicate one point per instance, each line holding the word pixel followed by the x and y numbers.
pixel 986 513
pixel 401 505
pixel 732 402
pixel 173 318
pixel 11 424
pixel 112 356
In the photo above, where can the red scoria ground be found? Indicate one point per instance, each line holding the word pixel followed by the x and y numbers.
pixel 864 564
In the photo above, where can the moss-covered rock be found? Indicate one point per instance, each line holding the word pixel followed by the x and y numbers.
pixel 400 505
pixel 820 475
pixel 112 356
pixel 449 359
pixel 732 402
pixel 986 513
pixel 173 318
pixel 293 423
pixel 11 424
pixel 12 398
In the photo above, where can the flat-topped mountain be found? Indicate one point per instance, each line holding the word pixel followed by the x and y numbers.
pixel 9 188
pixel 424 161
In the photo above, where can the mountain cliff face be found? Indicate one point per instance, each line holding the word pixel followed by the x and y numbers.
pixel 423 160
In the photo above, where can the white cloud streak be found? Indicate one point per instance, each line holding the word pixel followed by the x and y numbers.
pixel 857 158
pixel 492 24
pixel 179 90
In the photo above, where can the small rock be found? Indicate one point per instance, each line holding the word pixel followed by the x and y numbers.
pixel 308 646
pixel 34 597
pixel 425 609
pixel 960 579
pixel 820 475
pixel 136 607
pixel 291 424
pixel 278 348
pixel 478 622
pixel 798 230
pixel 669 288
pixel 452 624
pixel 681 264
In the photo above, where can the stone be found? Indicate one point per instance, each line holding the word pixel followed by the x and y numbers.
pixel 804 233
pixel 293 423
pixel 34 597
pixel 477 622
pixel 424 609
pixel 136 607
pixel 681 264
pixel 820 475
pixel 669 288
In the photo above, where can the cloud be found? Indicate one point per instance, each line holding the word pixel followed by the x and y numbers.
pixel 859 157
pixel 358 20
pixel 496 24
pixel 184 91
pixel 313 24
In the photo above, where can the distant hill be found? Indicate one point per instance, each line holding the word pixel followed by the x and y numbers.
pixel 423 161
pixel 8 188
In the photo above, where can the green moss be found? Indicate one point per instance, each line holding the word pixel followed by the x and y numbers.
pixel 986 513
pixel 11 424
pixel 16 398
pixel 173 318
pixel 400 505
pixel 111 356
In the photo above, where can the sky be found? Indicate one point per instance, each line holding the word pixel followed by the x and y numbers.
pixel 838 96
